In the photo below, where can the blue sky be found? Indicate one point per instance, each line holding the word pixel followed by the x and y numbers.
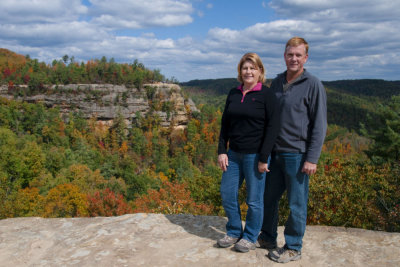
pixel 205 39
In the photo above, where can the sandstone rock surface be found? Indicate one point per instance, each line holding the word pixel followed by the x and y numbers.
pixel 105 102
pixel 175 240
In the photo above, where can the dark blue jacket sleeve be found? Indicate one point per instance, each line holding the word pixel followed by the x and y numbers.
pixel 272 123
pixel 223 135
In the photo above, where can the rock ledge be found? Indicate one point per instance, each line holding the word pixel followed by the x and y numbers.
pixel 175 240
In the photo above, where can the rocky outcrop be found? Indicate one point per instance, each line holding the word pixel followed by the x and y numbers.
pixel 175 240
pixel 106 101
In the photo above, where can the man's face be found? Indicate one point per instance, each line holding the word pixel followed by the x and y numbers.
pixel 295 58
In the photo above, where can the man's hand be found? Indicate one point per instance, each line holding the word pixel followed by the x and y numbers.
pixel 263 167
pixel 309 168
pixel 223 161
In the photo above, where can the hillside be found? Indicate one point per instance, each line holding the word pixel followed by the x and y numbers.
pixel 9 57
pixel 380 89
pixel 56 148
pixel 17 70
pixel 349 101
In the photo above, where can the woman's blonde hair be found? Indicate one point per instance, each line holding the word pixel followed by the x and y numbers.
pixel 256 60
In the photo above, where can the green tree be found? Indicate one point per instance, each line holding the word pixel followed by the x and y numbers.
pixel 385 132
pixel 65 58
pixel 158 77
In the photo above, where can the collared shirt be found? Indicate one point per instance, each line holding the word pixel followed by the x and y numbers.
pixel 287 84
pixel 257 87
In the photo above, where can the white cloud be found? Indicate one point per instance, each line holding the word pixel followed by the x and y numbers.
pixel 358 38
pixel 338 10
pixel 40 11
pixel 348 39
pixel 135 14
pixel 57 34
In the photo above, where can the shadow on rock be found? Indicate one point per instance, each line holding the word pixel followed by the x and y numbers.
pixel 212 227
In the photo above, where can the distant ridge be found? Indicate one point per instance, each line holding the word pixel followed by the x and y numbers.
pixel 215 86
pixel 360 87
pixel 350 102
pixel 366 87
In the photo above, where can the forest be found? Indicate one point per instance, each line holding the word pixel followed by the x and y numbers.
pixel 19 69
pixel 51 167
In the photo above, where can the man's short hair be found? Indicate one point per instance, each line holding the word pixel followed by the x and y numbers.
pixel 296 41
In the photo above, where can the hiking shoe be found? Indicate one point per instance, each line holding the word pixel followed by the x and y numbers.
pixel 284 255
pixel 227 241
pixel 261 243
pixel 244 245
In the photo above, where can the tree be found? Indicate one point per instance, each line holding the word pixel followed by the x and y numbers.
pixel 87 180
pixel 28 203
pixel 171 198
pixel 118 131
pixel 65 200
pixel 385 132
pixel 65 58
pixel 157 76
pixel 107 203
pixel 20 160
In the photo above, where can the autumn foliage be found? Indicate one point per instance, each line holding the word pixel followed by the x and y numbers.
pixel 171 198
pixel 68 167
pixel 28 203
pixel 65 200
pixel 107 203
pixel 17 69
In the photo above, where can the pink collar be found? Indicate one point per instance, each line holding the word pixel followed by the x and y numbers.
pixel 257 87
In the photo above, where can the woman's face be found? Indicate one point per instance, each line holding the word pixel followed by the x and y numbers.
pixel 250 73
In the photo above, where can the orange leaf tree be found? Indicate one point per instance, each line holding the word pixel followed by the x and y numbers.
pixel 171 198
pixel 107 203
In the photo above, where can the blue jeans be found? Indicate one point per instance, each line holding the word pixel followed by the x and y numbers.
pixel 286 174
pixel 243 166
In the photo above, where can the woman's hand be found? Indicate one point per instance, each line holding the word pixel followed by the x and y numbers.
pixel 223 161
pixel 263 167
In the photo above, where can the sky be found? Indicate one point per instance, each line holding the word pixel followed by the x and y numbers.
pixel 205 39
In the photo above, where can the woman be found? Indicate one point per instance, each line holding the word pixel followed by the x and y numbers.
pixel 249 125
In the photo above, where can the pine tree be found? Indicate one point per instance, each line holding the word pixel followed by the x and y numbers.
pixel 385 133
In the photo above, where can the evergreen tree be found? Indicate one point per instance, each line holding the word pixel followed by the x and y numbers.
pixel 385 133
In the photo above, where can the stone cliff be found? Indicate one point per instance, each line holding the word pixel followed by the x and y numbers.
pixel 105 101
pixel 175 240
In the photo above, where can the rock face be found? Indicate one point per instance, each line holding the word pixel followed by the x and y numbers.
pixel 105 101
pixel 175 240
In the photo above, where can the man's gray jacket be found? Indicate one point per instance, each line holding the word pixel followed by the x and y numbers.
pixel 302 115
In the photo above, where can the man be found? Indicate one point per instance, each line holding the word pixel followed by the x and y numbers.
pixel 302 100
